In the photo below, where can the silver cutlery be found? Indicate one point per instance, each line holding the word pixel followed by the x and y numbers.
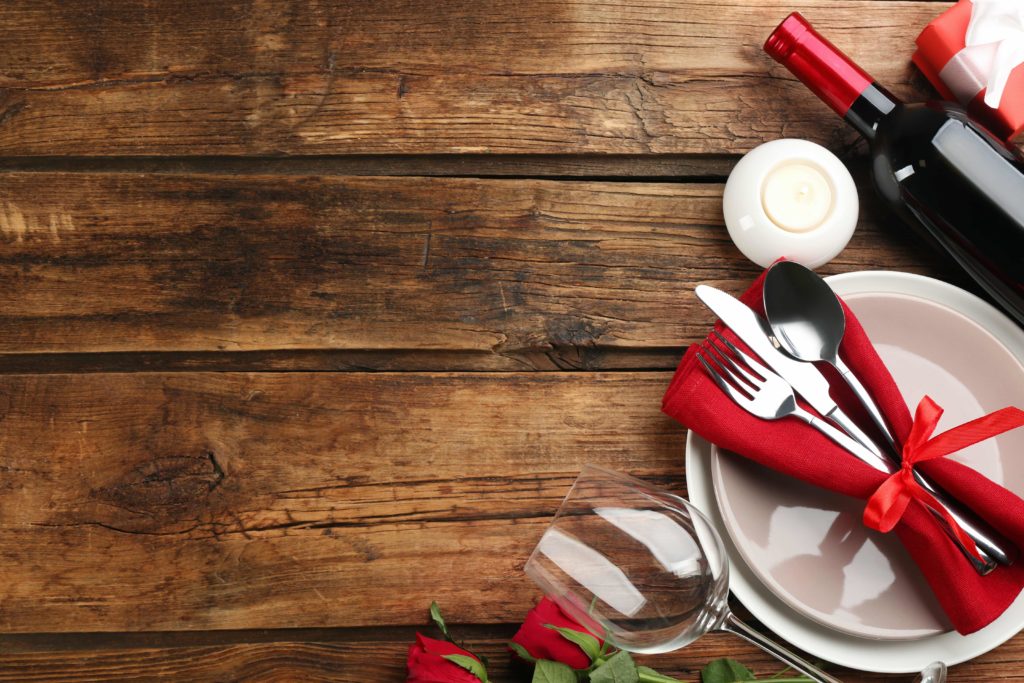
pixel 805 379
pixel 764 394
pixel 808 321
pixel 768 396
pixel 809 324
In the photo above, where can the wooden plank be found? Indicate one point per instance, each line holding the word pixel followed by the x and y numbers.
pixel 636 167
pixel 383 661
pixel 537 76
pixel 208 501
pixel 380 661
pixel 278 662
pixel 345 662
pixel 302 361
pixel 517 274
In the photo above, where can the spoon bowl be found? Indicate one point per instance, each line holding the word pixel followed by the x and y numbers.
pixel 804 313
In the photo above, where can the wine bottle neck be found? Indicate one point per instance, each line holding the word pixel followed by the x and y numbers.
pixel 873 105
pixel 830 74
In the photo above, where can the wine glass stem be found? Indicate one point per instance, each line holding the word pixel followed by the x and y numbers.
pixel 737 627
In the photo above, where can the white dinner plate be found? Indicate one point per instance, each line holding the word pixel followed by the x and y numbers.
pixel 773 604
pixel 810 546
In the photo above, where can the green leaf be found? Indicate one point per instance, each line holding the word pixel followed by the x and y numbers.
pixel 588 643
pixel 726 671
pixel 649 675
pixel 523 654
pixel 619 668
pixel 435 615
pixel 553 672
pixel 466 662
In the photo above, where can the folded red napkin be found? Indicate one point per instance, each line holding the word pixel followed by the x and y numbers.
pixel 971 601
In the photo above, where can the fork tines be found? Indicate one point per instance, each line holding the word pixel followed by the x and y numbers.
pixel 746 381
pixel 742 371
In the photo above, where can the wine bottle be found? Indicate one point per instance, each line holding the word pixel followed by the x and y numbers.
pixel 942 172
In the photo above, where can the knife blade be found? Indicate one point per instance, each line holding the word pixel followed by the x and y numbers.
pixel 805 379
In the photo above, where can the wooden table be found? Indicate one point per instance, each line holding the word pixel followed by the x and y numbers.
pixel 311 311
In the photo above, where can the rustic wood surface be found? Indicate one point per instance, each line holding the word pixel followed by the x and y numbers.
pixel 301 77
pixel 268 500
pixel 311 310
pixel 510 274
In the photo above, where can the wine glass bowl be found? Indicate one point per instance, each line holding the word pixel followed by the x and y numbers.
pixel 640 566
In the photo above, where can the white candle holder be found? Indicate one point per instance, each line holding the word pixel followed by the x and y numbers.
pixel 790 199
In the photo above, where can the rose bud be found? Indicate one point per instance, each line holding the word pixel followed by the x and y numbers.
pixel 427 663
pixel 542 642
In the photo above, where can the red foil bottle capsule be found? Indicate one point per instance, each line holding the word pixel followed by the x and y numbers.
pixel 819 65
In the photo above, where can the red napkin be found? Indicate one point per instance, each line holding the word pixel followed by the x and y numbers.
pixel 971 601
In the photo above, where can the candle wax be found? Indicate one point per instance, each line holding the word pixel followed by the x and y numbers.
pixel 796 196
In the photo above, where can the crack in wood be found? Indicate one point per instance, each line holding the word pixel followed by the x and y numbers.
pixel 216 530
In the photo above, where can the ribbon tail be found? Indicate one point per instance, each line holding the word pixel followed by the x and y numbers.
pixel 968 434
pixel 926 419
pixel 888 503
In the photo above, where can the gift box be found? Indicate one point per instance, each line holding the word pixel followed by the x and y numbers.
pixel 974 54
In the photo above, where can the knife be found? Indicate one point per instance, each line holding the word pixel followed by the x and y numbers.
pixel 805 379
pixel 812 386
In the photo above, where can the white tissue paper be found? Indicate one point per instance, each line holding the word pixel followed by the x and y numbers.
pixel 995 47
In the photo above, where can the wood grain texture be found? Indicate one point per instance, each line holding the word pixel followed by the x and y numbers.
pixel 381 659
pixel 362 661
pixel 634 167
pixel 516 274
pixel 291 500
pixel 237 501
pixel 394 76
pixel 189 202
pixel 377 661
pixel 313 662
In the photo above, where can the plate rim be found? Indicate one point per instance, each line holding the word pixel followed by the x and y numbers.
pixel 883 656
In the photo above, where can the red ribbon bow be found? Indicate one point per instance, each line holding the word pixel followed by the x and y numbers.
pixel 888 503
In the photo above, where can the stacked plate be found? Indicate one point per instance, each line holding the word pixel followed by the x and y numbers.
pixel 802 561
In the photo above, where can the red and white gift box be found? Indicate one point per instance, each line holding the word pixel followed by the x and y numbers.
pixel 974 62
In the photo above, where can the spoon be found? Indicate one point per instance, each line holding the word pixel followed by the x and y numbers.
pixel 808 321
pixel 933 673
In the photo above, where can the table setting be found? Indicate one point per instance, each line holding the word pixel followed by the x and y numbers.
pixel 852 440
pixel 604 341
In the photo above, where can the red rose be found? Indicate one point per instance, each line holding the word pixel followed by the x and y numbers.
pixel 428 665
pixel 545 643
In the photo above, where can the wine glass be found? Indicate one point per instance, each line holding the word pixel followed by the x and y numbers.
pixel 644 568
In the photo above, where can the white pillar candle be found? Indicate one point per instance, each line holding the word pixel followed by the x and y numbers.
pixel 791 199
pixel 797 197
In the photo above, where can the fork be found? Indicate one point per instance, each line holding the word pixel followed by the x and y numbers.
pixel 761 392
pixel 764 394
